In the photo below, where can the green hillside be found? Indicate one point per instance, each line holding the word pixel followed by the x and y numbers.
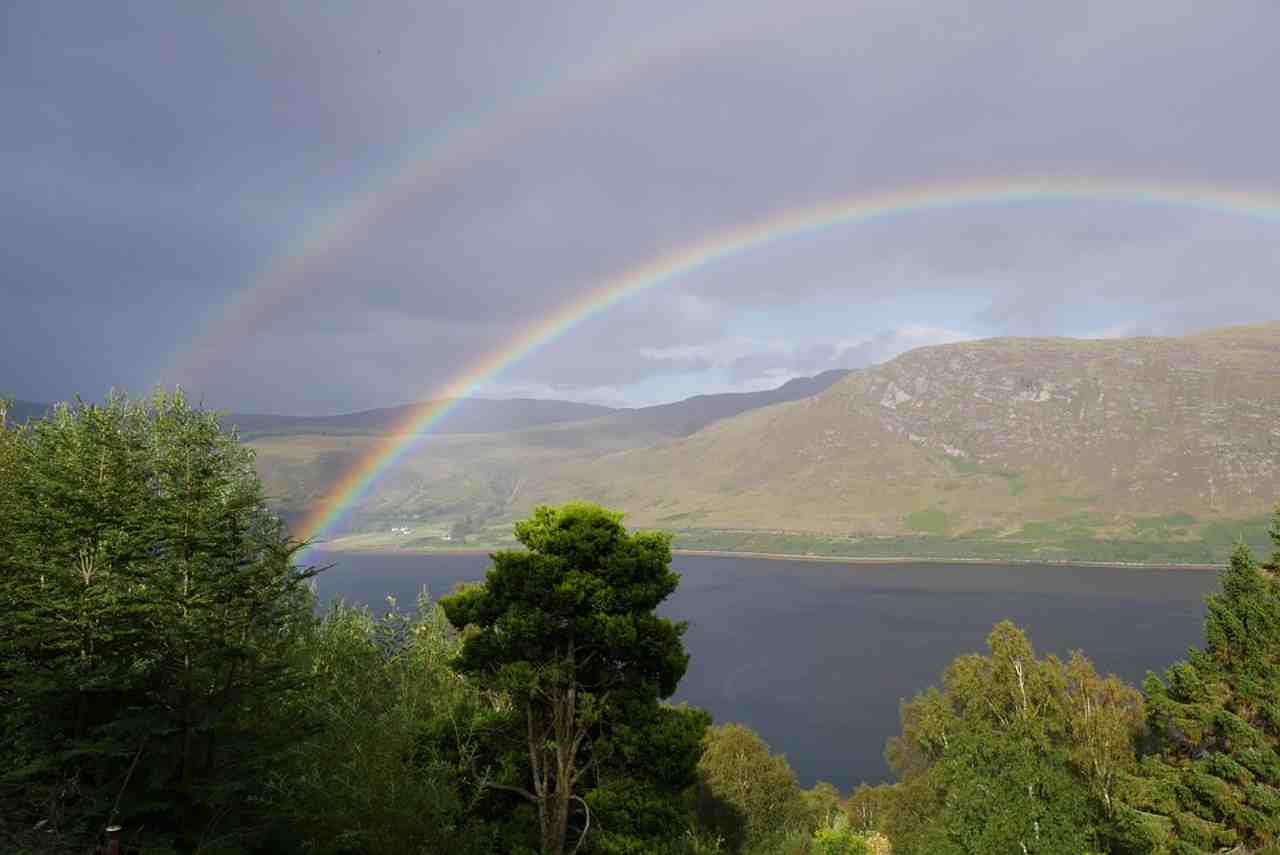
pixel 1036 448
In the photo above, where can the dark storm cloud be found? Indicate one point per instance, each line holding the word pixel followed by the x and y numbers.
pixel 159 159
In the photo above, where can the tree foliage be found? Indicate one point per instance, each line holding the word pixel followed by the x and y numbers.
pixel 161 667
pixel 381 728
pixel 747 796
pixel 150 601
pixel 1216 717
pixel 566 629
pixel 1012 754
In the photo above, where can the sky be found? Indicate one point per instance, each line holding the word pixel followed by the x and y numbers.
pixel 311 207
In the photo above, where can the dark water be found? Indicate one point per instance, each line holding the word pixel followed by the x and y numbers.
pixel 815 656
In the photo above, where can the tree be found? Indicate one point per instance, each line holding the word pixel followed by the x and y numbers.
pixel 1013 754
pixel 868 806
pixel 379 722
pixel 1216 717
pixel 747 796
pixel 151 599
pixel 643 768
pixel 566 629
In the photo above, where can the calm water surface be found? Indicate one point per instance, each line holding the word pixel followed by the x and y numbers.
pixel 815 656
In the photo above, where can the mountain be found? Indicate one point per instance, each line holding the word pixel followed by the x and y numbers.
pixel 997 438
pixel 693 414
pixel 471 415
pixel 1009 447
pixel 454 475
pixel 476 415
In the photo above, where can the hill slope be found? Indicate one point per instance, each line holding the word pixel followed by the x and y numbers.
pixel 472 415
pixel 455 476
pixel 990 438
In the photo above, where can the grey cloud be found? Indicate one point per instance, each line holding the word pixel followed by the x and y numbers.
pixel 163 158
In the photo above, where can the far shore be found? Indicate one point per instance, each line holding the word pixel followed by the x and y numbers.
pixel 346 545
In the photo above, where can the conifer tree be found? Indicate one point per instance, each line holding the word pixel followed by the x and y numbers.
pixel 1216 716
pixel 567 630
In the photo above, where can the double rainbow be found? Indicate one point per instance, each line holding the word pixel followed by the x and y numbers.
pixel 427 167
pixel 667 268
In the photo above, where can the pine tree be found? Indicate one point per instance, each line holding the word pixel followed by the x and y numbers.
pixel 1216 716
pixel 567 629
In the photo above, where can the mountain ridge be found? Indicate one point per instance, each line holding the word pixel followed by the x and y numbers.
pixel 1014 429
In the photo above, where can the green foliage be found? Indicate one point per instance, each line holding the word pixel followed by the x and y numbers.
pixel 1216 717
pixel 868 807
pixel 928 521
pixel 383 724
pixel 566 629
pixel 161 667
pixel 1074 537
pixel 1012 754
pixel 151 604
pixel 1161 525
pixel 839 838
pixel 645 763
pixel 822 804
pixel 746 796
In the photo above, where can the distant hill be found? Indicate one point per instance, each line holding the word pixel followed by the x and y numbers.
pixel 482 474
pixel 1047 438
pixel 693 414
pixel 1139 448
pixel 471 415
pixel 476 415
pixel 1051 447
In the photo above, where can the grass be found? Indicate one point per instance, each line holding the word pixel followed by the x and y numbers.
pixel 930 521
pixel 963 466
pixel 968 548
pixel 1171 539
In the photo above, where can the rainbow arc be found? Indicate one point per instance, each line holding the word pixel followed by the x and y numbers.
pixel 779 226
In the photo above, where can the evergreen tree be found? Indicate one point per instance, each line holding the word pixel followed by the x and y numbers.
pixel 566 630
pixel 1216 717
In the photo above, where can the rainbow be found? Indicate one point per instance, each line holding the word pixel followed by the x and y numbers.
pixel 332 234
pixel 666 268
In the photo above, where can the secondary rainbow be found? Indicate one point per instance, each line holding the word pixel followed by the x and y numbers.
pixel 332 234
pixel 777 226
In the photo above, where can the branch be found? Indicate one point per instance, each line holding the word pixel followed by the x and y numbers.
pixel 510 789
pixel 585 828
pixel 539 783
pixel 115 808
pixel 577 774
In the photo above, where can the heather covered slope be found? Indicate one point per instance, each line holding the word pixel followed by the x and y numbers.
pixel 986 438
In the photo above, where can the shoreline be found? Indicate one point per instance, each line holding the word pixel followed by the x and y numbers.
pixel 337 547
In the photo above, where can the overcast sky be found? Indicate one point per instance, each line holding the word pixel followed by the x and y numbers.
pixel 416 182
